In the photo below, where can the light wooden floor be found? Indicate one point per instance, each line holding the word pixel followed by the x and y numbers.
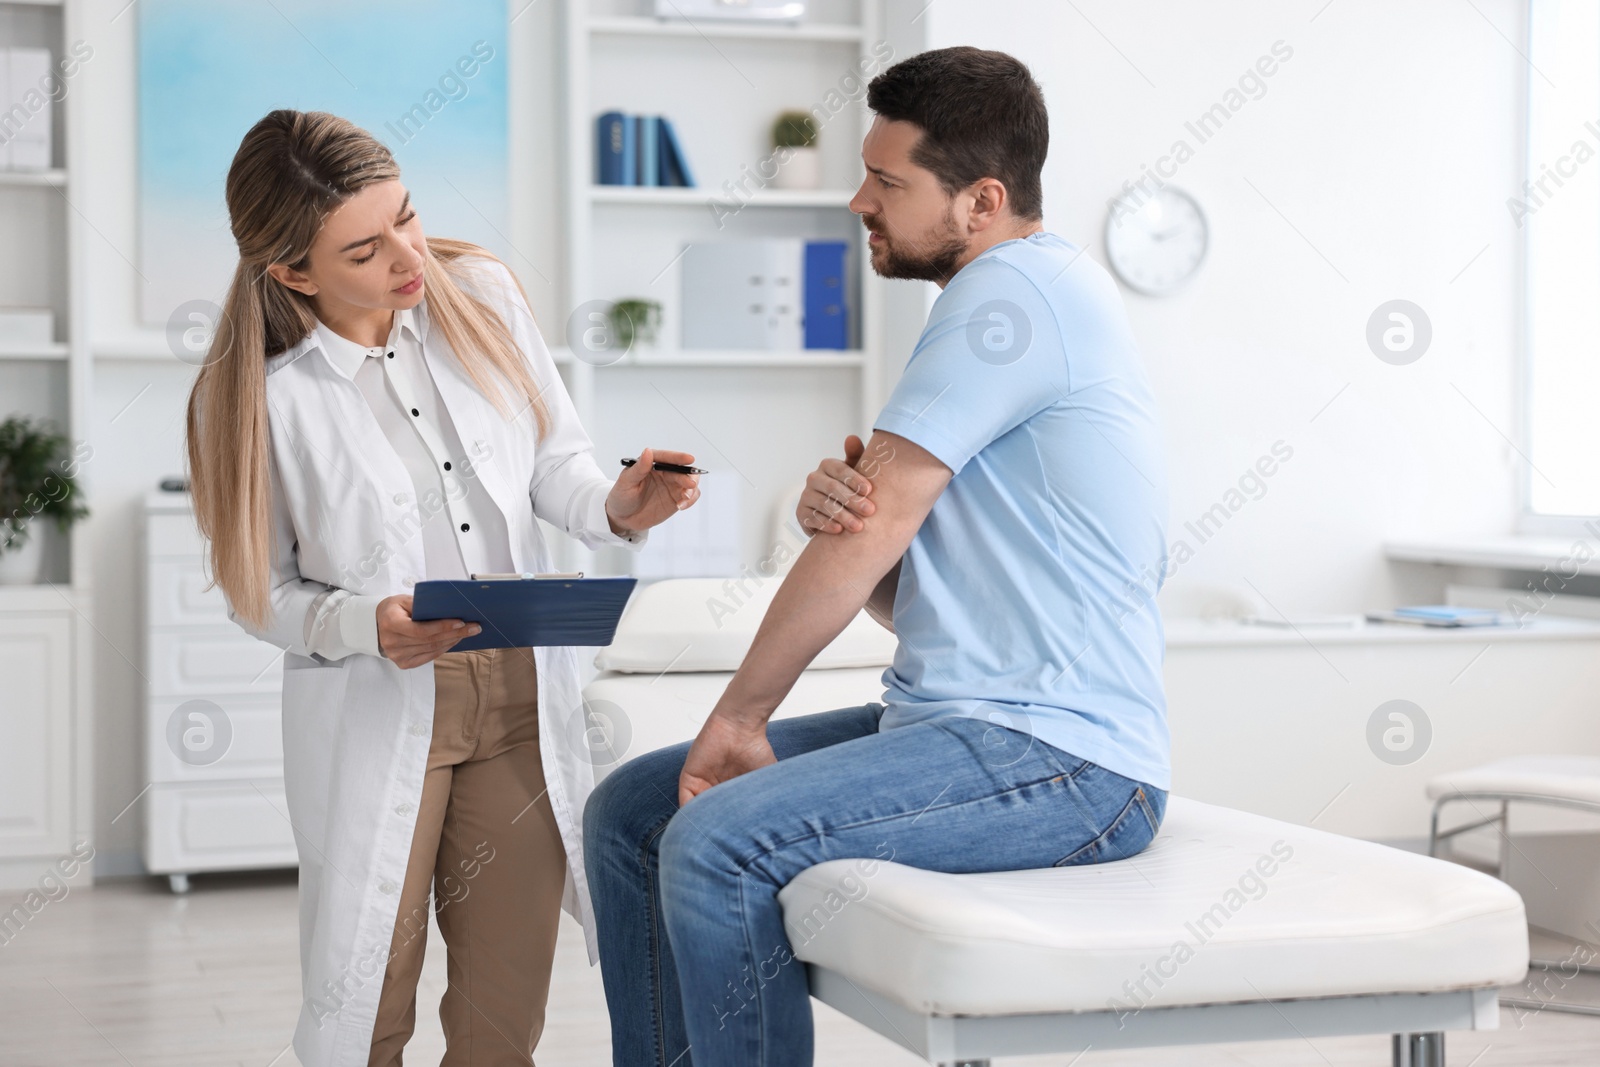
pixel 127 975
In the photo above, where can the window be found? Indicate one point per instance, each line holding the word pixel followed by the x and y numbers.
pixel 1557 211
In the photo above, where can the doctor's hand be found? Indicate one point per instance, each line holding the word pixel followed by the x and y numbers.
pixel 835 496
pixel 644 497
pixel 410 643
pixel 724 749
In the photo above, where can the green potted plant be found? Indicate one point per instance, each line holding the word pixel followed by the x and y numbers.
pixel 36 482
pixel 634 320
pixel 794 149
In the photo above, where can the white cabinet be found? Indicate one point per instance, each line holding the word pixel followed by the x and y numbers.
pixel 213 736
pixel 35 735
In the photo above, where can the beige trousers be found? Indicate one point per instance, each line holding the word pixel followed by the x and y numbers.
pixel 486 844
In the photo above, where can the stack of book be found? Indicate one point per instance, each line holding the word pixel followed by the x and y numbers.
pixel 639 150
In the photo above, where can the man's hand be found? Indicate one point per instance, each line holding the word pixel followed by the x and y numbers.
pixel 644 497
pixel 410 643
pixel 835 496
pixel 725 749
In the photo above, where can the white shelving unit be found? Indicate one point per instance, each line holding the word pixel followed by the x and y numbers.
pixel 49 351
pixel 46 635
pixel 56 176
pixel 766 415
pixel 645 26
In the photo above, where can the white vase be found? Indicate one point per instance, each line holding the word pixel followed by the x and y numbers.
pixel 22 566
pixel 802 170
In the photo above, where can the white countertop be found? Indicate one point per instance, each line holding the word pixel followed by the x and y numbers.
pixel 1197 633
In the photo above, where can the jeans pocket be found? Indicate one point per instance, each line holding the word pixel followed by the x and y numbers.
pixel 1134 828
pixel 1154 803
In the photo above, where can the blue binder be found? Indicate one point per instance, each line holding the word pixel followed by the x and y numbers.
pixel 522 612
pixel 617 144
pixel 649 150
pixel 827 322
pixel 674 165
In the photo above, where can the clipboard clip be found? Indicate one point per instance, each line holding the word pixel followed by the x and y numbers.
pixel 560 575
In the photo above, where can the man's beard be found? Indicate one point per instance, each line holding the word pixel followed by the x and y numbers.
pixel 931 260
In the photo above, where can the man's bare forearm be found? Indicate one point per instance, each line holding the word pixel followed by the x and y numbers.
pixel 834 578
pixel 828 585
pixel 880 605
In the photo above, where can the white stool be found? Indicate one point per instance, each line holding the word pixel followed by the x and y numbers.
pixel 1555 781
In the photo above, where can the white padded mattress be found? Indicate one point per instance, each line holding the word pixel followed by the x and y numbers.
pixel 1198 917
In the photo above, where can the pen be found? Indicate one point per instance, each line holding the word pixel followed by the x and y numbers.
pixel 675 468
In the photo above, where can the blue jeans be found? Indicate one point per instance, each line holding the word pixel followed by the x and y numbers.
pixel 693 950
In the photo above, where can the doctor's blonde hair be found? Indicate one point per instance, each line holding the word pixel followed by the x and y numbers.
pixel 292 170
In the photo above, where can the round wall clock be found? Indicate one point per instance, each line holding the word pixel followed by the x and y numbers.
pixel 1156 243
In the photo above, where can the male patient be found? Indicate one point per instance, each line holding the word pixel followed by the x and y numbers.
pixel 1014 501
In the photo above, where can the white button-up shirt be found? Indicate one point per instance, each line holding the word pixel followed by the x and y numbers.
pixel 463 532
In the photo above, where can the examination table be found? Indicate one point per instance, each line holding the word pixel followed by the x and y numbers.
pixel 1229 927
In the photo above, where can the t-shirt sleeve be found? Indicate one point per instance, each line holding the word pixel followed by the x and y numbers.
pixel 990 358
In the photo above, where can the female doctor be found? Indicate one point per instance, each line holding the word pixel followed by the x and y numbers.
pixel 379 408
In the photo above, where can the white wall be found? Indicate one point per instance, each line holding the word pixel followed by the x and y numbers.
pixel 1388 141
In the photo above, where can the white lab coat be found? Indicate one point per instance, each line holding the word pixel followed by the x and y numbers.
pixel 356 731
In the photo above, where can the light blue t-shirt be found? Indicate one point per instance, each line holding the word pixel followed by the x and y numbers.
pixel 1027 597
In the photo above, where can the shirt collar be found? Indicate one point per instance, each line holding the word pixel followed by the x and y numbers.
pixel 346 356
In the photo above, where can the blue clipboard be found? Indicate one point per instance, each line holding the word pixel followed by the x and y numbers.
pixel 522 612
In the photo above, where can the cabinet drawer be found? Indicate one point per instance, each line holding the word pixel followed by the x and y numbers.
pixel 177 594
pixel 213 664
pixel 173 535
pixel 244 734
pixel 233 826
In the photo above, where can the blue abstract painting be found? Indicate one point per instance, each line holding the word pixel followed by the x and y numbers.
pixel 209 71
